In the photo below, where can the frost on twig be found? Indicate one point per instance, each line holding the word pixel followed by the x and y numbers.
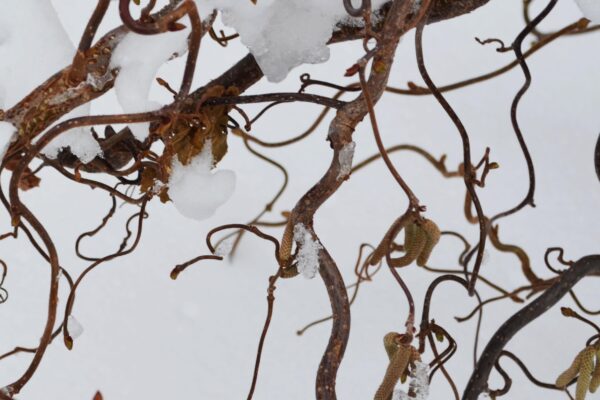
pixel 308 252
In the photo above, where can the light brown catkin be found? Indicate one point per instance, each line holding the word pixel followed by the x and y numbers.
pixel 595 382
pixel 585 373
pixel 570 373
pixel 433 237
pixel 396 367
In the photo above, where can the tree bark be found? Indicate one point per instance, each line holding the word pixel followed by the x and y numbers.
pixel 589 265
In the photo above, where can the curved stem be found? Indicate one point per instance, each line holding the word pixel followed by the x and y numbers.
pixel 478 382
pixel 469 173
pixel 19 210
pixel 516 46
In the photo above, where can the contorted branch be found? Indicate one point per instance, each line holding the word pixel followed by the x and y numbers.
pixel 340 135
pixel 47 103
pixel 589 265
pixel 72 87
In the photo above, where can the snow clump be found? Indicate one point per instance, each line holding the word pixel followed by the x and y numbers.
pixel 138 58
pixel 419 384
pixel 195 189
pixel 75 328
pixel 308 252
pixel 283 34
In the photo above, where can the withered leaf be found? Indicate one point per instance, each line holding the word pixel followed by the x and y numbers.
pixel 148 179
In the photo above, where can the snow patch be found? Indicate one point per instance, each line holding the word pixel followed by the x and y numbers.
pixel 196 189
pixel 20 45
pixel 98 82
pixel 345 159
pixel 308 252
pixel 33 47
pixel 79 140
pixel 67 95
pixel 590 9
pixel 138 58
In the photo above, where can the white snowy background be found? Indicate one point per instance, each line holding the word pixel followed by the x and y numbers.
pixel 146 336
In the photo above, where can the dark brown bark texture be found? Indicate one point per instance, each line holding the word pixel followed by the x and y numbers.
pixel 60 94
pixel 43 107
pixel 586 266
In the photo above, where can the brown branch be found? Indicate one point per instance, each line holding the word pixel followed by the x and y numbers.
pixel 278 97
pixel 340 134
pixel 478 383
pixel 20 211
pixel 78 68
pixel 47 103
pixel 415 90
pixel 469 174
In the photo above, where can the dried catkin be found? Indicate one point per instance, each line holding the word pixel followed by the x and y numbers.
pixel 417 243
pixel 395 369
pixel 433 237
pixel 285 250
pixel 585 373
pixel 563 380
pixel 595 382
